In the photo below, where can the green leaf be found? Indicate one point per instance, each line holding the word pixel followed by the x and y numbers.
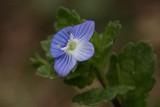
pixel 45 44
pixel 98 95
pixel 123 89
pixel 134 66
pixel 66 17
pixel 46 72
pixel 43 67
pixel 113 74
pixel 104 42
pixel 81 77
pixel 37 61
pixel 109 36
pixel 80 81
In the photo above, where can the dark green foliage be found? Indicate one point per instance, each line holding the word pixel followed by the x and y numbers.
pixel 46 47
pixel 46 72
pixel 66 17
pixel 43 67
pixel 99 95
pixel 134 66
pixel 82 76
pixel 109 36
pixel 104 42
pixel 80 81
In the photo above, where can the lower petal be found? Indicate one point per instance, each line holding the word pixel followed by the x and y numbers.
pixel 64 64
pixel 83 51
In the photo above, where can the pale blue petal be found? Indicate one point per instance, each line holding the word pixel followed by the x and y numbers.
pixel 84 31
pixel 84 51
pixel 64 64
pixel 60 39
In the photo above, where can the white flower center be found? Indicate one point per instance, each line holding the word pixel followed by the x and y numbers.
pixel 71 45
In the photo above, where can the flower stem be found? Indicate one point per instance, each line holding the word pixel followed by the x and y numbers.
pixel 116 102
pixel 103 80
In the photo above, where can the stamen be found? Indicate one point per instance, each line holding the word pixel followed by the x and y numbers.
pixel 59 46
pixel 71 36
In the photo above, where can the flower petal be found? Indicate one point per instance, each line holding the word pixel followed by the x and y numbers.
pixel 64 64
pixel 60 40
pixel 84 31
pixel 83 51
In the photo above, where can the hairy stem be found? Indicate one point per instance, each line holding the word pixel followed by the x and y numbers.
pixel 103 80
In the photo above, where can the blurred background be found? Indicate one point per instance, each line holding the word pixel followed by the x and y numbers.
pixel 24 23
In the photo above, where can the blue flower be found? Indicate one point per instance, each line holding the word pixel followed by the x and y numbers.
pixel 71 44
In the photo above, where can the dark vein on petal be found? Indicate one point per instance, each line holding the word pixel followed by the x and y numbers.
pixel 83 31
pixel 65 64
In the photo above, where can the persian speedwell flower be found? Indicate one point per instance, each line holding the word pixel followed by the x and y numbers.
pixel 71 44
